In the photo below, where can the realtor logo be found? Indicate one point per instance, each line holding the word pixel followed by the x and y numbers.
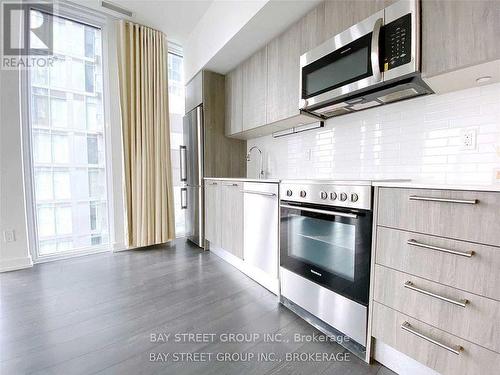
pixel 27 34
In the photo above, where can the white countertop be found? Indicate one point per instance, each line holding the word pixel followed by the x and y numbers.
pixel 395 183
pixel 243 179
pixel 409 184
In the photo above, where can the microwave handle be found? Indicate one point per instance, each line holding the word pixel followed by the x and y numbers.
pixel 375 50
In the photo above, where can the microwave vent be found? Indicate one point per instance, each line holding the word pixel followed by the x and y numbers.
pixel 336 112
pixel 398 95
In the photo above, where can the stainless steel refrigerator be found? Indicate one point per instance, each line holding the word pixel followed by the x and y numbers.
pixel 191 167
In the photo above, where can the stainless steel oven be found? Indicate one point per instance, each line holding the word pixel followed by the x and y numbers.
pixel 325 247
pixel 374 62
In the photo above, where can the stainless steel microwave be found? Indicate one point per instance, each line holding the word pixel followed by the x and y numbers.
pixel 374 62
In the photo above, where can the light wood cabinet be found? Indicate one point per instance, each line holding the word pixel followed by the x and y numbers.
pixel 234 101
pixel 312 29
pixel 213 212
pixel 232 217
pixel 434 249
pixel 254 81
pixel 342 14
pixel 473 359
pixel 394 251
pixel 478 321
pixel 462 215
pixel 458 34
pixel 283 58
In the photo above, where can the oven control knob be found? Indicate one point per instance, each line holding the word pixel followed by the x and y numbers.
pixel 343 197
pixel 302 194
pixel 354 197
pixel 289 193
pixel 323 195
pixel 333 196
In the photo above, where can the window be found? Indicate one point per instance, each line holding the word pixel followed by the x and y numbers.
pixel 68 144
pixel 176 107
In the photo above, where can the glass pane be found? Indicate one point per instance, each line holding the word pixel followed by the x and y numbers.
pixel 176 108
pixel 42 150
pixel 344 69
pixel 78 75
pixel 43 184
pixel 326 244
pixel 60 148
pixel 62 185
pixel 45 221
pixel 79 112
pixel 59 111
pixel 69 162
pixel 63 220
pixel 92 150
pixel 40 111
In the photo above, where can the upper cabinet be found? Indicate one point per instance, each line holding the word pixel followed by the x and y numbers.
pixel 342 14
pixel 264 89
pixel 283 75
pixel 254 81
pixel 459 34
pixel 234 101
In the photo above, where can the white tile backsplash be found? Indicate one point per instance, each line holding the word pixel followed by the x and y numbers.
pixel 419 139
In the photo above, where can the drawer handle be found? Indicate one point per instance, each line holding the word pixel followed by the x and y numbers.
pixel 461 302
pixel 467 254
pixel 445 200
pixel 229 184
pixel 456 349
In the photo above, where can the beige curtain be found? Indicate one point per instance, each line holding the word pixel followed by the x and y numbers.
pixel 142 67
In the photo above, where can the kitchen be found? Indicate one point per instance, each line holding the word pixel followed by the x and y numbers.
pixel 341 166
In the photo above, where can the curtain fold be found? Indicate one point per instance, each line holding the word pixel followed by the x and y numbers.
pixel 142 68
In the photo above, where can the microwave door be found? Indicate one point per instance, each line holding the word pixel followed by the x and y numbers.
pixel 346 63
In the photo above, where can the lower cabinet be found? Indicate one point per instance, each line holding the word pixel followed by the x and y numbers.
pixel 212 213
pixel 224 215
pixel 231 198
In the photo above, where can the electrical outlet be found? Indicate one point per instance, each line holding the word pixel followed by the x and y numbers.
pixel 9 236
pixel 469 139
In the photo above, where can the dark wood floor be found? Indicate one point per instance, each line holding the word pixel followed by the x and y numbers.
pixel 96 314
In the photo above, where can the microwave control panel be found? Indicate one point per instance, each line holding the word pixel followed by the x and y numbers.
pixel 397 43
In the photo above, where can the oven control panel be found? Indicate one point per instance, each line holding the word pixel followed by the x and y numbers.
pixel 328 193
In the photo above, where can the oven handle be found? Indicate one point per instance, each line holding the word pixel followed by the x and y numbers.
pixel 324 212
pixel 375 50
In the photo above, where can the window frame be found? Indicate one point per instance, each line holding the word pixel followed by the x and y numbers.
pixel 84 16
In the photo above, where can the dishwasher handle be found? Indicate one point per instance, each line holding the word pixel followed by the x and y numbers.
pixel 265 193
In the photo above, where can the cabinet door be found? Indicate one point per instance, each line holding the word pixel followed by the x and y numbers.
pixel 232 217
pixel 312 29
pixel 457 34
pixel 212 213
pixel 234 103
pixel 283 55
pixel 254 90
pixel 342 14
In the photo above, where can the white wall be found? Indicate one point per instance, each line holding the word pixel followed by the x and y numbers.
pixel 418 139
pixel 221 22
pixel 13 255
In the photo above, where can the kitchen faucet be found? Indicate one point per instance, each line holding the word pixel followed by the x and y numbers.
pixel 261 172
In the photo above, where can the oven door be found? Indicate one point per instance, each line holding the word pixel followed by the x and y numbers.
pixel 342 65
pixel 329 246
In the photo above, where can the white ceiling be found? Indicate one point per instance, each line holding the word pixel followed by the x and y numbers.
pixel 176 18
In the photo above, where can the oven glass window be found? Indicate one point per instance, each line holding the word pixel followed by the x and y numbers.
pixel 345 69
pixel 326 244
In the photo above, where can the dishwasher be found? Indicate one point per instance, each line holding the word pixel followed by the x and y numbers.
pixel 260 242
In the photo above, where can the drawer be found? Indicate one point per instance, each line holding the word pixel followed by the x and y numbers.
pixel 478 321
pixel 444 213
pixel 472 359
pixel 476 274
